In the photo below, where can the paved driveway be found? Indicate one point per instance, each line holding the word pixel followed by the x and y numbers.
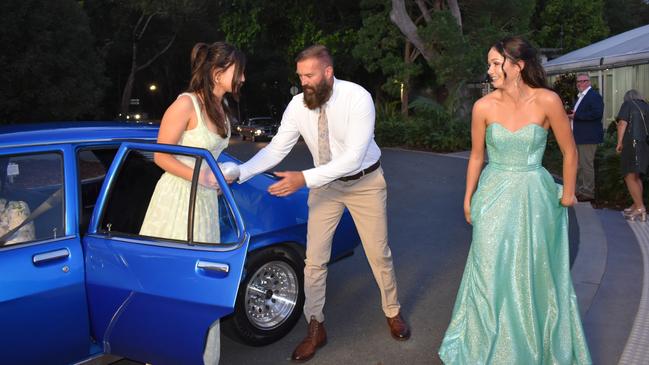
pixel 429 241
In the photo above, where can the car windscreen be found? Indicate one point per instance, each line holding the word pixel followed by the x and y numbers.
pixel 262 122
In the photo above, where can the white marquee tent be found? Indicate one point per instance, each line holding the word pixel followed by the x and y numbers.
pixel 615 65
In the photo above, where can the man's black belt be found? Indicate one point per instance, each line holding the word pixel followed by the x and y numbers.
pixel 361 173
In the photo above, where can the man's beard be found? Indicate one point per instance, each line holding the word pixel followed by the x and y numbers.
pixel 315 97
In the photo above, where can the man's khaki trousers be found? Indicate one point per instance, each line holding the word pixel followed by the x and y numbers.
pixel 366 200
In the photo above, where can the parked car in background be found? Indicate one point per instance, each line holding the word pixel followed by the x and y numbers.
pixel 77 279
pixel 234 125
pixel 137 116
pixel 259 128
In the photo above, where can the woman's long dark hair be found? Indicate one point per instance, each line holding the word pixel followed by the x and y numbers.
pixel 206 59
pixel 516 48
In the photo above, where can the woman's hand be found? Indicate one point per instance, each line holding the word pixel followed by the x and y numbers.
pixel 568 201
pixel 207 179
pixel 467 212
pixel 618 148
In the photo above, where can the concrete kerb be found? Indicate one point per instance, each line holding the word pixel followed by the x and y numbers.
pixel 636 350
pixel 590 264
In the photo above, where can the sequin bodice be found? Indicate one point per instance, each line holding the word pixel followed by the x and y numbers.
pixel 521 150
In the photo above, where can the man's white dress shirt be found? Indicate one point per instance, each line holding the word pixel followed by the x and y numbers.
pixel 350 115
pixel 580 96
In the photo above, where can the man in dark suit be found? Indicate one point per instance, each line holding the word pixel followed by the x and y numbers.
pixel 588 130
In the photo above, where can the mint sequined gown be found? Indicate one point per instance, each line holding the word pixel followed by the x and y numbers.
pixel 516 303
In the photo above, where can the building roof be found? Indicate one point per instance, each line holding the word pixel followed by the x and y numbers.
pixel 628 48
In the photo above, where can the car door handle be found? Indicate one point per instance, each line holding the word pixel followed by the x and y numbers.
pixel 45 257
pixel 214 266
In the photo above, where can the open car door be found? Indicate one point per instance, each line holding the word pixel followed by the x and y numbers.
pixel 154 293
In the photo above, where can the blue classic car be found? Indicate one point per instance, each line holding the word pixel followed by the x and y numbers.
pixel 77 279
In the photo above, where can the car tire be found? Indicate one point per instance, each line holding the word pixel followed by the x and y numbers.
pixel 253 138
pixel 243 138
pixel 270 299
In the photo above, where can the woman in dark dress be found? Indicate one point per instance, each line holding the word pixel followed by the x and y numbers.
pixel 632 144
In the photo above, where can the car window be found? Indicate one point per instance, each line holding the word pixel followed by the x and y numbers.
pixel 263 122
pixel 31 198
pixel 92 164
pixel 147 202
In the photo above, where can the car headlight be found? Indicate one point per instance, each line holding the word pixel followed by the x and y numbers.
pixel 258 132
pixel 239 129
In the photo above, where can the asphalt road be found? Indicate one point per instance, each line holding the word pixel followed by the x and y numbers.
pixel 429 241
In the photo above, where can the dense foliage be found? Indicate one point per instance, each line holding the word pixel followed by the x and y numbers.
pixel 569 25
pixel 84 59
pixel 49 68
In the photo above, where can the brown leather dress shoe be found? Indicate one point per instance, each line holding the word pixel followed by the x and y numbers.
pixel 398 328
pixel 315 338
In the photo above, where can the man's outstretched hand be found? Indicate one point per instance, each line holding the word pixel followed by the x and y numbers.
pixel 291 181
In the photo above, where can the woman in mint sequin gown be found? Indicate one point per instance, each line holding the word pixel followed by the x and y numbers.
pixel 198 118
pixel 516 303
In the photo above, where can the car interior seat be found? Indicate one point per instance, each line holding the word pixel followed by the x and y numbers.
pixel 12 214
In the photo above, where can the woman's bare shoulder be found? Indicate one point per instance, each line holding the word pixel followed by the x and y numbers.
pixel 184 100
pixel 183 105
pixel 486 102
pixel 547 96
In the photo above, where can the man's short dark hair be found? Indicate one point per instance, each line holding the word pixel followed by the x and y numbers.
pixel 316 51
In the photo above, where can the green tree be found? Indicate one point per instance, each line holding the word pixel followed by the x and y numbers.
pixel 487 22
pixel 271 33
pixel 113 25
pixel 381 47
pixel 49 69
pixel 623 15
pixel 453 38
pixel 571 24
pixel 137 33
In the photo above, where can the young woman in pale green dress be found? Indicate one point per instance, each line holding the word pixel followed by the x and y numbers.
pixel 198 118
pixel 516 303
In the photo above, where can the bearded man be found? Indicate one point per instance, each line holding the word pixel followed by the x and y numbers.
pixel 336 120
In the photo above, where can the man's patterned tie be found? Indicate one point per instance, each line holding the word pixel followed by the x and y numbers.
pixel 324 153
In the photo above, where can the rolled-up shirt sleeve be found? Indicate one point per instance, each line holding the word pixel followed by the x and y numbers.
pixel 359 135
pixel 271 155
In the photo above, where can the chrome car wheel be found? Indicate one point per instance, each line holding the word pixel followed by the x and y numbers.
pixel 271 295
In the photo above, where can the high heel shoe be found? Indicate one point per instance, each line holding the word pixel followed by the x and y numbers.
pixel 639 214
pixel 628 210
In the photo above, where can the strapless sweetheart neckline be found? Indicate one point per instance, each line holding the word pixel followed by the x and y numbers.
pixel 517 130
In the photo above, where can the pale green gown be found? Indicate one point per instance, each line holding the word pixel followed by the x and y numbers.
pixel 166 215
pixel 516 303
